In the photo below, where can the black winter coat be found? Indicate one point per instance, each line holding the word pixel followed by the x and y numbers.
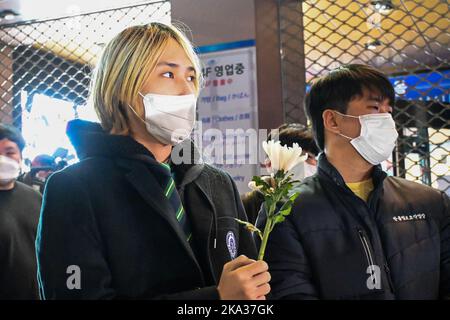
pixel 107 217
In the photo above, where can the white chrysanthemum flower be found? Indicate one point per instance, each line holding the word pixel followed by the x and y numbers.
pixel 283 157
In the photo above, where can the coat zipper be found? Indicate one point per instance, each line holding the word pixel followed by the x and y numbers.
pixel 368 253
pixel 211 265
pixel 388 273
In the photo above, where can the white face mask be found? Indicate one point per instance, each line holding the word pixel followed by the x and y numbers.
pixel 377 138
pixel 9 169
pixel 303 170
pixel 170 119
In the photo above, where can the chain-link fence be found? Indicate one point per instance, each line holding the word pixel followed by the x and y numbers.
pixel 406 39
pixel 45 68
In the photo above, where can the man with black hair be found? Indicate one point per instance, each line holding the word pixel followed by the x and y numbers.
pixel 19 215
pixel 354 232
pixel 290 133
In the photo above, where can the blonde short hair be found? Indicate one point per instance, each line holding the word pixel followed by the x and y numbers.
pixel 125 64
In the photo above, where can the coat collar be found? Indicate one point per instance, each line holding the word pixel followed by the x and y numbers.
pixel 141 171
pixel 325 168
pixel 327 171
pixel 89 140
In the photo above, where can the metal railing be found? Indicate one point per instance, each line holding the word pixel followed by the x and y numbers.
pixel 53 59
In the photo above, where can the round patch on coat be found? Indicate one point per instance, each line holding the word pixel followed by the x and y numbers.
pixel 231 244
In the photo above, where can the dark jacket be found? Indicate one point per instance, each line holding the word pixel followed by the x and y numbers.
pixel 325 247
pixel 19 216
pixel 108 216
pixel 252 202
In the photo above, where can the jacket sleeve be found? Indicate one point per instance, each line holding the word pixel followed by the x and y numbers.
pixel 71 261
pixel 288 264
pixel 445 249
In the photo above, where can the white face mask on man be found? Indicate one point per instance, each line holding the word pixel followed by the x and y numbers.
pixel 303 170
pixel 377 138
pixel 169 118
pixel 9 170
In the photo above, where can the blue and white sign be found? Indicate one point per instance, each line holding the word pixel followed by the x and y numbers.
pixel 423 86
pixel 228 101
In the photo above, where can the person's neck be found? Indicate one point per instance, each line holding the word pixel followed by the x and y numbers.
pixel 140 134
pixel 160 151
pixel 8 186
pixel 349 163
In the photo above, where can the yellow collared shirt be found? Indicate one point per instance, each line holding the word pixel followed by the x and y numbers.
pixel 362 189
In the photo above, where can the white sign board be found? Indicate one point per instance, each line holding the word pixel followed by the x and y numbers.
pixel 229 101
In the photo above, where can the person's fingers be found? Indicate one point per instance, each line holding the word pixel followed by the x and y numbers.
pixel 261 278
pixel 263 290
pixel 237 263
pixel 255 268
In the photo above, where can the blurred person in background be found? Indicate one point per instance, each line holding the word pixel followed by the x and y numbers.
pixel 288 134
pixel 19 215
pixel 42 167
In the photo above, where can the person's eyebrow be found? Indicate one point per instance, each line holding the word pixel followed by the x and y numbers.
pixel 10 149
pixel 173 65
pixel 376 98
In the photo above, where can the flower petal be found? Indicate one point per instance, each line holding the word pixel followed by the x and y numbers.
pixel 252 185
pixel 265 146
pixel 275 155
pixel 296 157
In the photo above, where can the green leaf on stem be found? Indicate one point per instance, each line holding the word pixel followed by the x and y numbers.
pixel 260 182
pixel 294 196
pixel 278 218
pixel 279 175
pixel 286 208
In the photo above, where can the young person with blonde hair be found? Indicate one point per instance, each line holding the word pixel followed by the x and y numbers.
pixel 126 222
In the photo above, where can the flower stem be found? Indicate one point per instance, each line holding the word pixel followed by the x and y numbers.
pixel 266 233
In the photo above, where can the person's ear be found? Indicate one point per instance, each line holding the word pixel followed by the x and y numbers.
pixel 330 122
